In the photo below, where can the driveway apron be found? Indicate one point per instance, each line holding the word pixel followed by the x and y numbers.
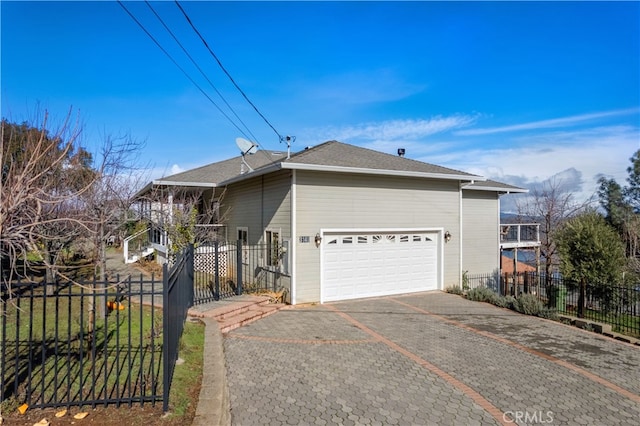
pixel 428 358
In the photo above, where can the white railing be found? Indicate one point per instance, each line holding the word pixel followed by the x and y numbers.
pixel 519 235
pixel 142 245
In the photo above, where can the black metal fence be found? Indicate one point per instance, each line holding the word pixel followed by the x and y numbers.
pixel 83 343
pixel 177 299
pixel 617 305
pixel 92 343
pixel 489 280
pixel 223 270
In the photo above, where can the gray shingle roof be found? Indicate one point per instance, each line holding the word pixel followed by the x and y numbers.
pixel 329 154
pixel 338 154
pixel 226 169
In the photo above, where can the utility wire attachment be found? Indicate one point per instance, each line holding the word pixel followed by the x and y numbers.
pixel 288 140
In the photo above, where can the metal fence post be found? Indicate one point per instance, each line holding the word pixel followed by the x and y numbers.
pixel 166 361
pixel 581 297
pixel 216 271
pixel 190 274
pixel 239 267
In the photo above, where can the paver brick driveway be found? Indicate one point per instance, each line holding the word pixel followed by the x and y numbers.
pixel 428 358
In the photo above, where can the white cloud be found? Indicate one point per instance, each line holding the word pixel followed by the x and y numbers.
pixel 528 161
pixel 359 87
pixel 392 131
pixel 568 181
pixel 578 157
pixel 552 123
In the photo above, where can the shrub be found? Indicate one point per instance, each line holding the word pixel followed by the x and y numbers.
pixel 500 302
pixel 528 304
pixel 548 313
pixel 454 290
pixel 504 301
pixel 510 302
pixel 465 280
pixel 482 294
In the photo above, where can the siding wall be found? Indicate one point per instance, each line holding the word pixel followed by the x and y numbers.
pixel 480 231
pixel 341 200
pixel 259 204
pixel 355 201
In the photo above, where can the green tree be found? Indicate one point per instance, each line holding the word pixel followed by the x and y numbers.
pixel 590 249
pixel 182 231
pixel 612 200
pixel 621 206
pixel 591 252
pixel 632 192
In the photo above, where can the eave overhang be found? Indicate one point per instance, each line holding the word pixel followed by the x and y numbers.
pixel 356 170
pixel 501 189
pixel 168 183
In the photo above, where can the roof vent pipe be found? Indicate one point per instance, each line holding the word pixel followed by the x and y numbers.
pixel 401 152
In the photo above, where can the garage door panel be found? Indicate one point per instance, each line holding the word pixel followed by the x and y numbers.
pixel 376 264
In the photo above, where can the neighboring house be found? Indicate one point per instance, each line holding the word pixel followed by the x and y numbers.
pixel 353 222
pixel 509 265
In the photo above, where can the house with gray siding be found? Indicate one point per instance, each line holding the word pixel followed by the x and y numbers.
pixel 353 222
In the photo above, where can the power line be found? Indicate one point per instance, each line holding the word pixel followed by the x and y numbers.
pixel 225 71
pixel 288 139
pixel 199 69
pixel 180 68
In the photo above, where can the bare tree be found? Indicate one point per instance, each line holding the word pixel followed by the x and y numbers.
pixel 551 203
pixel 41 186
pixel 55 236
pixel 53 193
pixel 118 176
pixel 43 181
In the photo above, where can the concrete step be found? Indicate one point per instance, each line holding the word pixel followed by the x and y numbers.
pixel 253 313
pixel 239 307
pixel 237 311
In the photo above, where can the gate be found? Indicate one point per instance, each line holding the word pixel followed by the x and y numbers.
pixel 223 270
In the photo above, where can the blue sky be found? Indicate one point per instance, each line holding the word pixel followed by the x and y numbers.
pixel 515 91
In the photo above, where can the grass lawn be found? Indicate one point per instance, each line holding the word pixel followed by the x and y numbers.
pixel 187 376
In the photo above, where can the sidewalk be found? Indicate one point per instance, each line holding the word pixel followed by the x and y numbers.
pixel 116 265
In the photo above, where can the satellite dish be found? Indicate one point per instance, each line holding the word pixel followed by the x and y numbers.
pixel 246 147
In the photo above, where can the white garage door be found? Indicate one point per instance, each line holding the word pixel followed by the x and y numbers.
pixel 359 265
